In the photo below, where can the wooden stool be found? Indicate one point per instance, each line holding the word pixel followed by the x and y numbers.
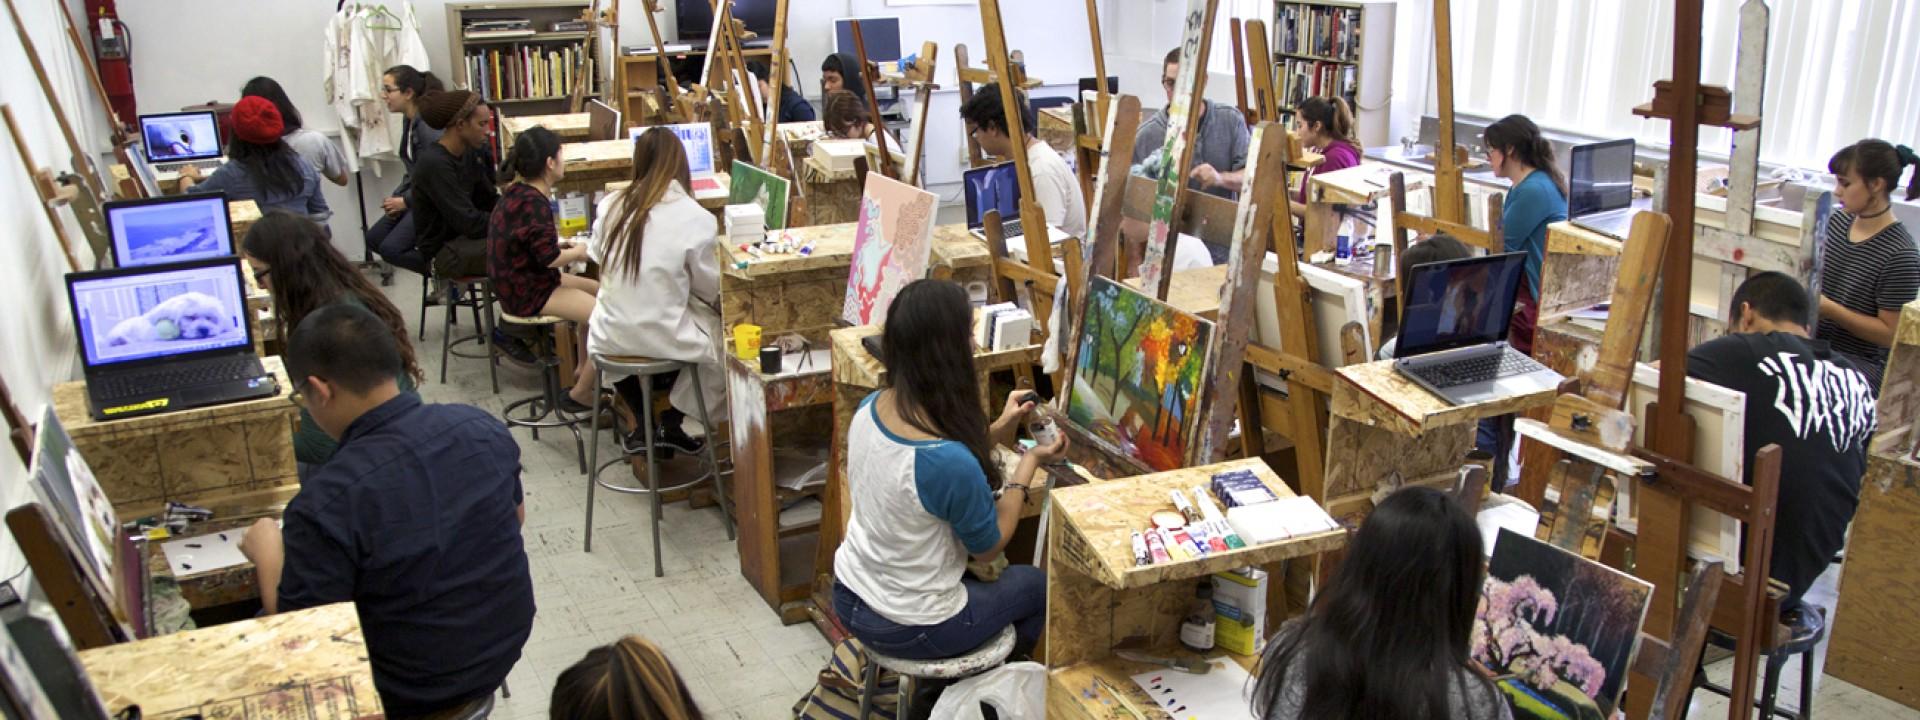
pixel 613 367
pixel 1777 656
pixel 476 292
pixel 986 657
pixel 543 410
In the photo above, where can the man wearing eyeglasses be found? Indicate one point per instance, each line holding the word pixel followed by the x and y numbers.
pixel 1218 148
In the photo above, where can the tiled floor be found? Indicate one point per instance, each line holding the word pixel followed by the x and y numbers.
pixel 737 659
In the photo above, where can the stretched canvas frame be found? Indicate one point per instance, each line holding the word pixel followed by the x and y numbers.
pixel 892 244
pixel 1140 334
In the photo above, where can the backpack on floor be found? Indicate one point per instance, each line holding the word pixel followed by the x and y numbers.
pixel 836 695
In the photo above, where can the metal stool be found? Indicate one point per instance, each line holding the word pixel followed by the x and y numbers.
pixel 614 367
pixel 543 410
pixel 1776 662
pixel 986 657
pixel 477 294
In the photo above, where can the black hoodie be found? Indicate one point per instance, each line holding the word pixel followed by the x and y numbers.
pixel 849 68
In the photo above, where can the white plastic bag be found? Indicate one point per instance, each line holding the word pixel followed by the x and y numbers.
pixel 1016 690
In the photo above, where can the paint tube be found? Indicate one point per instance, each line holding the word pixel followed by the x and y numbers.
pixel 1187 542
pixel 1179 550
pixel 1156 547
pixel 1141 556
pixel 1186 508
pixel 1227 535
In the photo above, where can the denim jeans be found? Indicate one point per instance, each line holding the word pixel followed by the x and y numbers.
pixel 392 239
pixel 1018 598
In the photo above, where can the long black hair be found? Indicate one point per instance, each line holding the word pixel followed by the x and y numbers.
pixel 528 157
pixel 1516 135
pixel 273 166
pixel 409 79
pixel 927 346
pixel 1388 637
pixel 1877 160
pixel 307 273
pixel 269 89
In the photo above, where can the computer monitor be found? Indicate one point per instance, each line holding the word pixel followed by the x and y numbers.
pixel 1600 178
pixel 180 137
pixel 159 312
pixel 696 17
pixel 1459 303
pixel 1088 84
pixel 880 34
pixel 697 138
pixel 994 187
pixel 169 229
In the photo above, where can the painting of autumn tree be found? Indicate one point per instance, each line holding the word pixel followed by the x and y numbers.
pixel 1557 630
pixel 1140 370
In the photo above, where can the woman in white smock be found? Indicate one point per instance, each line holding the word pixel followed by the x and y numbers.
pixel 660 284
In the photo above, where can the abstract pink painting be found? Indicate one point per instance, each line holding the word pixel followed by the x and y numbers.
pixel 891 246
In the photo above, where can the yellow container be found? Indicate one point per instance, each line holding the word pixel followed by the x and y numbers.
pixel 746 341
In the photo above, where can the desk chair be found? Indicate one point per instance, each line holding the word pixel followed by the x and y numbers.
pixel 543 410
pixel 614 367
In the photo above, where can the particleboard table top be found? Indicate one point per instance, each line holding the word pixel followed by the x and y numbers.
pixel 571 127
pixel 1374 394
pixel 1100 519
pixel 853 365
pixel 598 155
pixel 953 246
pixel 306 664
pixel 70 403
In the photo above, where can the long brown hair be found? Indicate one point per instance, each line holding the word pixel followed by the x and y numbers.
pixel 927 346
pixel 1874 159
pixel 307 274
pixel 658 162
pixel 841 112
pixel 1332 114
pixel 628 680
pixel 1516 135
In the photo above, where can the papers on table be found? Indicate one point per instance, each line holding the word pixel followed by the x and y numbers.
pixel 1501 511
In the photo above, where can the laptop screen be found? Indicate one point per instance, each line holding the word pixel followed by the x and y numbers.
pixel 161 311
pixel 989 188
pixel 177 137
pixel 1602 178
pixel 697 138
pixel 1459 303
pixel 171 229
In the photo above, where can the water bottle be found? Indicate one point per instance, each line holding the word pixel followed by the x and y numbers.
pixel 1343 244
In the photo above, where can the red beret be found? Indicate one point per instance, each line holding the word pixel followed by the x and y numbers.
pixel 257 120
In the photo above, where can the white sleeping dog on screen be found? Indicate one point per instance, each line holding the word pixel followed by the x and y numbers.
pixel 187 316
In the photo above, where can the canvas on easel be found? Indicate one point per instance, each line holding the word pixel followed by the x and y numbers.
pixel 892 243
pixel 750 184
pixel 65 481
pixel 1141 367
pixel 1557 630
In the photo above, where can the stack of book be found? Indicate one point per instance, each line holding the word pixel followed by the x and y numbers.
pixel 1302 79
pixel 496 28
pixel 1326 32
pixel 520 72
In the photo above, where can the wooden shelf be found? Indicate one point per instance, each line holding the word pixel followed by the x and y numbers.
pixel 1299 56
pixel 508 101
pixel 536 37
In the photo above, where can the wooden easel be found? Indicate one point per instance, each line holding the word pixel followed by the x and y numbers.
pixel 577 95
pixel 52 193
pixel 968 76
pixel 867 70
pixel 919 78
pixel 776 83
pixel 1088 139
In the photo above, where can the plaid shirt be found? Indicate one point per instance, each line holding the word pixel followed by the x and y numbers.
pixel 522 244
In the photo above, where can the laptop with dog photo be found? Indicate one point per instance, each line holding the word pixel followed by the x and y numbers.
pixel 172 140
pixel 1453 338
pixel 1600 187
pixel 169 229
pixel 997 187
pixel 697 138
pixel 160 338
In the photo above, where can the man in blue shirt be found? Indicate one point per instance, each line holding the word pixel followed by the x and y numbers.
pixel 416 520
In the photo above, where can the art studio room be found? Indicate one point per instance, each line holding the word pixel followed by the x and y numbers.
pixel 960 359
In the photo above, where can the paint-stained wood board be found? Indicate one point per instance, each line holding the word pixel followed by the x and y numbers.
pixel 1073 693
pixel 1374 393
pixel 1876 625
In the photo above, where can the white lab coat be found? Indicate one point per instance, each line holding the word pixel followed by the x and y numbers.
pixel 357 54
pixel 671 311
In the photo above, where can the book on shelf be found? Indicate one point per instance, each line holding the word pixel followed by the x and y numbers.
pixel 496 28
pixel 1331 33
pixel 568 26
pixel 524 72
pixel 1302 79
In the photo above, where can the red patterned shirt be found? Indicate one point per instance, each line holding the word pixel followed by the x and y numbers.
pixel 522 244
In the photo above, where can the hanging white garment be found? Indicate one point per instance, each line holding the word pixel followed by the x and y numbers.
pixel 362 42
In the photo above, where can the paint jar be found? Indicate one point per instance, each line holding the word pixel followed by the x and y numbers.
pixel 770 360
pixel 1196 631
pixel 746 341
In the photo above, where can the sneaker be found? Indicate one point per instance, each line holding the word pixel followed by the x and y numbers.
pixel 512 348
pixel 437 291
pixel 676 438
pixel 635 444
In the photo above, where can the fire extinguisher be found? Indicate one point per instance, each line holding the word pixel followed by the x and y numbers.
pixel 113 52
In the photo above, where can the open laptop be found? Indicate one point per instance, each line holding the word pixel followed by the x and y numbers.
pixel 603 122
pixel 171 140
pixel 169 229
pixel 159 338
pixel 1600 187
pixel 997 187
pixel 1453 338
pixel 697 138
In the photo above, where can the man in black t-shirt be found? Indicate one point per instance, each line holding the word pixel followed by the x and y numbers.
pixel 1812 402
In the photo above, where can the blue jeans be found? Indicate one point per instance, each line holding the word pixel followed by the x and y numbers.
pixel 392 239
pixel 1018 598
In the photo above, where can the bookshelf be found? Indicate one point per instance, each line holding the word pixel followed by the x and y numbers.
pixel 1331 47
pixel 520 56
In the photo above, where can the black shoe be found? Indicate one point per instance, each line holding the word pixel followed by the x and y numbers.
pixel 512 348
pixel 573 407
pixel 672 436
pixel 636 446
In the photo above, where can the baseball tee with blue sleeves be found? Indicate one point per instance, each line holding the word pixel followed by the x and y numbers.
pixel 919 508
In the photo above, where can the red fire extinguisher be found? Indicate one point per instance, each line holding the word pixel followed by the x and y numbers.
pixel 113 51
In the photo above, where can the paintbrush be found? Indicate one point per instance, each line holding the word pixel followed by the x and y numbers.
pixel 1194 665
pixel 1119 697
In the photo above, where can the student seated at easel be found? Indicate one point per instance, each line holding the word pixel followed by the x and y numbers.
pixel 292 256
pixel 453 194
pixel 1055 189
pixel 416 520
pixel 841 71
pixel 1389 636
pixel 922 480
pixel 1871 268
pixel 1521 154
pixel 323 154
pixel 793 106
pixel 1816 404
pixel 526 259
pixel 1326 125
pixel 1219 148
pixel 261 166
pixel 1440 247
pixel 845 117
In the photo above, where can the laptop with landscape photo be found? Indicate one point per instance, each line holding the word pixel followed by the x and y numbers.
pixel 1600 187
pixel 160 338
pixel 169 229
pixel 997 187
pixel 603 122
pixel 170 140
pixel 697 138
pixel 1453 337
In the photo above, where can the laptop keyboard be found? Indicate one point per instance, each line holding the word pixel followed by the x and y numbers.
pixel 204 166
pixel 206 372
pixel 1467 371
pixel 1012 229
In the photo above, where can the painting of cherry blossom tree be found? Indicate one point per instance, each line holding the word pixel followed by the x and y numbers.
pixel 1557 630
